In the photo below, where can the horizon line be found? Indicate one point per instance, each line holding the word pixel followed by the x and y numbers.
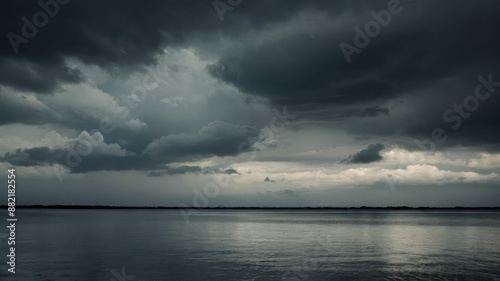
pixel 58 206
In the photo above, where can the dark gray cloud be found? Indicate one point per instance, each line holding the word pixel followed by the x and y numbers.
pixel 267 179
pixel 191 169
pixel 368 155
pixel 215 139
pixel 307 71
pixel 231 171
pixel 37 156
pixel 40 78
pixel 15 110
pixel 138 32
pixel 132 37
pixel 286 52
pixel 43 156
pixel 280 53
pixel 287 72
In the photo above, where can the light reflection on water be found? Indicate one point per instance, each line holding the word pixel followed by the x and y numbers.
pixel 257 245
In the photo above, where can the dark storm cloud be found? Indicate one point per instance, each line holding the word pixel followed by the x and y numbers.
pixel 367 155
pixel 40 78
pixel 111 34
pixel 117 35
pixel 34 156
pixel 447 115
pixel 304 69
pixel 13 110
pixel 42 156
pixel 286 52
pixel 215 139
pixel 409 58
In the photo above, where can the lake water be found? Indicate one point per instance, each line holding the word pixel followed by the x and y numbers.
pixel 125 245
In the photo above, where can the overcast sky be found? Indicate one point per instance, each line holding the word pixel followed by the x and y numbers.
pixel 251 103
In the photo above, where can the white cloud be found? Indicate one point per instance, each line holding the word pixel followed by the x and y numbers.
pixel 401 156
pixel 414 175
pixel 485 161
pixel 298 175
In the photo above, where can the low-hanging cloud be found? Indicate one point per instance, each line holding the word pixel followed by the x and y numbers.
pixel 368 155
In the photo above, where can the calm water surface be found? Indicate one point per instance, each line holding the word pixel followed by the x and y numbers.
pixel 125 245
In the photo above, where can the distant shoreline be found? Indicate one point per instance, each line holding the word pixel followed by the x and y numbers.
pixel 102 207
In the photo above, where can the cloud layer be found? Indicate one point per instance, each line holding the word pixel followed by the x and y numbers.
pixel 178 94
